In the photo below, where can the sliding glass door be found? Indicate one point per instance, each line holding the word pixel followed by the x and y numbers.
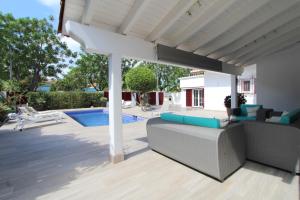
pixel 198 98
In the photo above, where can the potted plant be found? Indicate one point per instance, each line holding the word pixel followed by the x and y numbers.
pixel 227 102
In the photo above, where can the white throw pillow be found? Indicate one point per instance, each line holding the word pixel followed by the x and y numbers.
pixel 284 113
pixel 251 111
pixel 274 119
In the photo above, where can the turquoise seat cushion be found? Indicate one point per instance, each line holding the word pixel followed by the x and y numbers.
pixel 290 117
pixel 244 118
pixel 172 117
pixel 191 120
pixel 245 106
pixel 202 121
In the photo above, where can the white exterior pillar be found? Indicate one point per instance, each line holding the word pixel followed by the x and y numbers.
pixel 115 108
pixel 157 98
pixel 133 99
pixel 233 91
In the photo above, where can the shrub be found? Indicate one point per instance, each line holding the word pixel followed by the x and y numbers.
pixel 65 100
pixel 38 100
pixel 4 110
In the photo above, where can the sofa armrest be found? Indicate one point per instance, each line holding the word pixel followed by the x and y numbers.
pixel 232 147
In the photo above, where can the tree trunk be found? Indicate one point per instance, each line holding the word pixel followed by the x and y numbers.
pixel 35 80
pixel 91 82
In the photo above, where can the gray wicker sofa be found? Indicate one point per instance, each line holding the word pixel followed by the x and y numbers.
pixel 220 152
pixel 216 152
pixel 273 144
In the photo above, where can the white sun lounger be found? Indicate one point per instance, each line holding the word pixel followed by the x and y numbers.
pixel 33 111
pixel 25 117
pixel 126 104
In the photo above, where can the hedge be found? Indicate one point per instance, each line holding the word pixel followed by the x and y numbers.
pixel 65 100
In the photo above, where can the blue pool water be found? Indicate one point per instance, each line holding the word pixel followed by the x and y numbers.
pixel 98 117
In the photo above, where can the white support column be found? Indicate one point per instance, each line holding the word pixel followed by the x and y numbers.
pixel 115 108
pixel 233 91
pixel 133 99
pixel 157 98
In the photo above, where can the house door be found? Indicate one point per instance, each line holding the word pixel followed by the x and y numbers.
pixel 198 98
pixel 189 97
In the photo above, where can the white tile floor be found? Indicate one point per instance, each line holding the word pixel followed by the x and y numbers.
pixel 68 161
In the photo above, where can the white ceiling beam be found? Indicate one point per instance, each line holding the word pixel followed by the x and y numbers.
pixel 87 15
pixel 273 46
pixel 178 10
pixel 133 15
pixel 272 51
pixel 264 40
pixel 263 29
pixel 206 14
pixel 237 12
pixel 97 40
pixel 248 24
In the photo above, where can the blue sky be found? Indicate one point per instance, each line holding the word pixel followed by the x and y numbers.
pixel 31 8
pixel 38 9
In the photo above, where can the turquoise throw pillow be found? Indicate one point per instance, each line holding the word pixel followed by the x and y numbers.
pixel 290 117
pixel 172 117
pixel 196 121
pixel 245 106
pixel 202 121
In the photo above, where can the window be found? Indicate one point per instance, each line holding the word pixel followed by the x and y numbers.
pixel 246 86
pixel 198 98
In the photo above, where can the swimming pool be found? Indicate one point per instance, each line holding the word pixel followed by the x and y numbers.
pixel 98 117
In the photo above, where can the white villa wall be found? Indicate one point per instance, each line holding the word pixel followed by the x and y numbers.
pixel 176 98
pixel 251 98
pixel 217 87
pixel 192 82
pixel 278 80
pixel 183 98
pixel 248 74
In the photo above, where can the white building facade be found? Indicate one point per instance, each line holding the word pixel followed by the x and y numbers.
pixel 207 89
pixel 247 84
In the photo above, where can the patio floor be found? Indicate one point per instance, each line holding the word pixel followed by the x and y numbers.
pixel 68 161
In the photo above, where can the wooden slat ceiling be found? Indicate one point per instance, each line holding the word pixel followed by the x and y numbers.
pixel 234 31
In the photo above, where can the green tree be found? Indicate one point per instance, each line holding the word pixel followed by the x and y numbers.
pixel 93 68
pixel 73 81
pixel 31 50
pixel 168 76
pixel 142 80
pixel 90 69
pixel 127 64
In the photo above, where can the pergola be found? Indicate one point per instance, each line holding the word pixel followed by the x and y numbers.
pixel 217 35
